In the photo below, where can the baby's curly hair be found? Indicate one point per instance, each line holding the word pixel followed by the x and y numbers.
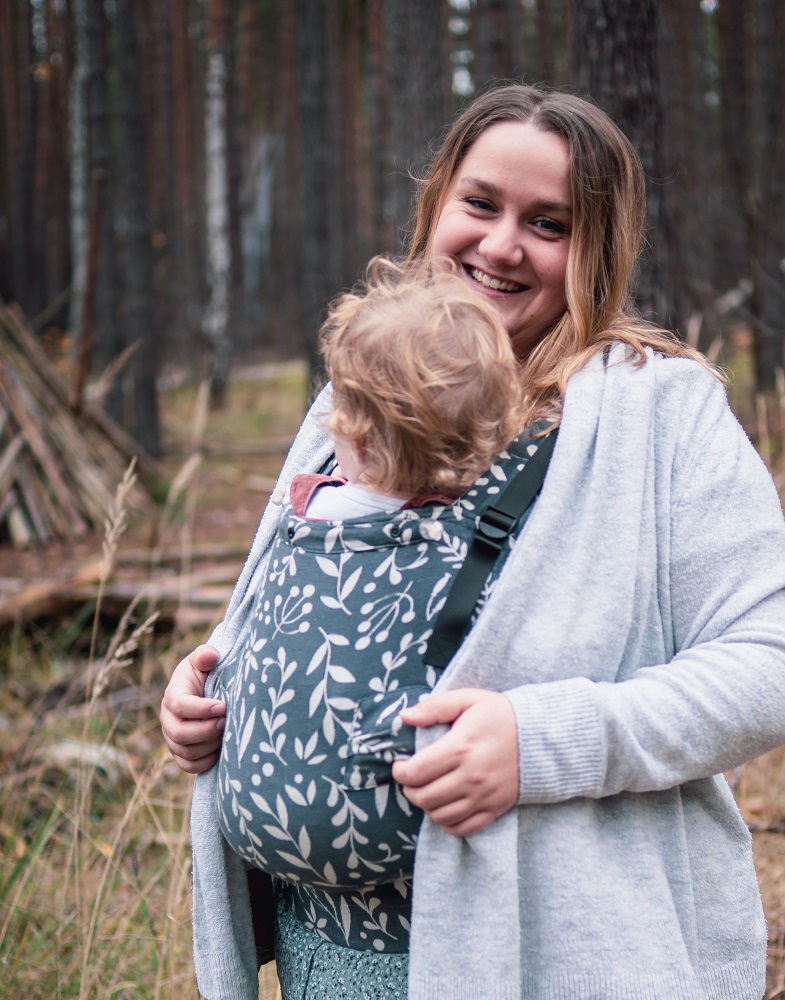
pixel 424 377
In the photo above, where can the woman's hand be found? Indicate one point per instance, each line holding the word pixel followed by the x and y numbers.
pixel 469 776
pixel 192 724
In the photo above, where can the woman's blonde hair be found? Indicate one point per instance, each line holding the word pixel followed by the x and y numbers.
pixel 424 377
pixel 609 208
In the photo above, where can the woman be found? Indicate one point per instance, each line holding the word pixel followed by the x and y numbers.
pixel 579 840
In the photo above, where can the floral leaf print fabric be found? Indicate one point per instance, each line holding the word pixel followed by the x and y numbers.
pixel 333 653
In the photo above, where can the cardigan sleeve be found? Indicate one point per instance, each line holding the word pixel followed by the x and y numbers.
pixel 719 701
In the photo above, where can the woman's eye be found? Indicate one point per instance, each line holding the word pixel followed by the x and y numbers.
pixel 480 203
pixel 550 226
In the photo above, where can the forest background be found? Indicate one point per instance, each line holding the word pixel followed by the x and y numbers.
pixel 183 187
pixel 242 159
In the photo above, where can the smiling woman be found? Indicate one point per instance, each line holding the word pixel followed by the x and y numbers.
pixel 578 840
pixel 506 219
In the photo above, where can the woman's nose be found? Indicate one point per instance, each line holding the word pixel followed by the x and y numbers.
pixel 502 244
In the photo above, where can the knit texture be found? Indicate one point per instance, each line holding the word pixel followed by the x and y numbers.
pixel 638 629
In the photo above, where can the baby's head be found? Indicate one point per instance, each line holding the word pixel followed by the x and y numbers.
pixel 426 388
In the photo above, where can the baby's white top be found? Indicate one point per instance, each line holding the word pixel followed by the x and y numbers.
pixel 338 503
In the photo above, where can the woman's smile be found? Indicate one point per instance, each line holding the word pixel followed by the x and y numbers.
pixel 495 284
pixel 506 221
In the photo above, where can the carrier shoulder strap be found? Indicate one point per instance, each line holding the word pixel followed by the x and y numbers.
pixel 494 528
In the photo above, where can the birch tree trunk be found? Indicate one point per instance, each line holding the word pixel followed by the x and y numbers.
pixel 219 261
pixel 78 166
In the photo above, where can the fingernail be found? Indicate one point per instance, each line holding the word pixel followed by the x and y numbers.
pixel 219 723
pixel 217 707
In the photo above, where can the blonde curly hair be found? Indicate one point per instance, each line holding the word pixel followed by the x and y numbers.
pixel 425 383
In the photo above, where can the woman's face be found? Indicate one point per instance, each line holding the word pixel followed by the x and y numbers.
pixel 506 220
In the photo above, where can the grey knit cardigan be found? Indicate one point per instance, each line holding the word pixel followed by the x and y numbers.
pixel 638 629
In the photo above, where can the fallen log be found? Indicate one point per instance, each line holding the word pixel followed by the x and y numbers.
pixel 207 588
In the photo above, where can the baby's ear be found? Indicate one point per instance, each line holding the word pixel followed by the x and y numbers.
pixel 361 449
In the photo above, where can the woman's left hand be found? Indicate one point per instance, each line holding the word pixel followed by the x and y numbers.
pixel 469 776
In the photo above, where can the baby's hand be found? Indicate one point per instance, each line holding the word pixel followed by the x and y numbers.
pixel 469 776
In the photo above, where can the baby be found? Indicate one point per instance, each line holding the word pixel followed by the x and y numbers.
pixel 425 394
pixel 425 400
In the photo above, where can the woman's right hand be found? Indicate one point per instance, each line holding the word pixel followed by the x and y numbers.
pixel 192 724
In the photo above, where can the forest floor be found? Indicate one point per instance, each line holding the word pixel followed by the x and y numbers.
pixel 94 867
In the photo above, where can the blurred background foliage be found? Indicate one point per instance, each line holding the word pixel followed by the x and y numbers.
pixel 197 178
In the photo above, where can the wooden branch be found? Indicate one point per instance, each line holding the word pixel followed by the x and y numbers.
pixel 21 414
pixel 63 473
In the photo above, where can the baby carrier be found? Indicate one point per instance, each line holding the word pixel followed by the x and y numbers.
pixel 351 625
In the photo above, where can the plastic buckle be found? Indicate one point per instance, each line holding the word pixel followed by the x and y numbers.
pixel 494 528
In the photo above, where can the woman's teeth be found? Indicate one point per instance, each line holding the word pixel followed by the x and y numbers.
pixel 494 283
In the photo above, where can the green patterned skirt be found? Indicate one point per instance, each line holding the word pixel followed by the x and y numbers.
pixel 310 967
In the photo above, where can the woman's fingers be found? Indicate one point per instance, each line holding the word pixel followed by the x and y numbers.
pixel 469 776
pixel 192 725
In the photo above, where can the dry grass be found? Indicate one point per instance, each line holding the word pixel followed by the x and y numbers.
pixel 94 854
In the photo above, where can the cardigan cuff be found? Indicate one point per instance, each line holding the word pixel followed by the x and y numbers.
pixel 561 750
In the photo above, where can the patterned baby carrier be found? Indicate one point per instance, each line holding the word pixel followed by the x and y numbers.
pixel 335 650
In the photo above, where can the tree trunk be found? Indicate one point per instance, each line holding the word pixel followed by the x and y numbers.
pixel 159 49
pixel 9 139
pixel 285 266
pixel 236 175
pixel 109 337
pixel 769 206
pixel 498 43
pixel 22 258
pixel 58 270
pixel 219 262
pixel 322 266
pixel 140 316
pixel 616 62
pixel 185 236
pixel 379 129
pixel 545 47
pixel 690 126
pixel 418 65
pixel 78 166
